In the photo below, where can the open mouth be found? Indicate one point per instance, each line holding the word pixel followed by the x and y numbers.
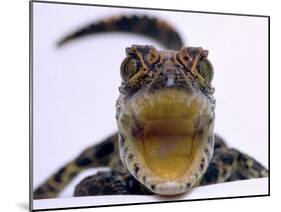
pixel 169 133
pixel 168 147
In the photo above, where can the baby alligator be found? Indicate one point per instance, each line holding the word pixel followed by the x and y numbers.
pixel 165 115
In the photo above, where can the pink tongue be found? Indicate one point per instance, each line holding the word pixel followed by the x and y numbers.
pixel 168 147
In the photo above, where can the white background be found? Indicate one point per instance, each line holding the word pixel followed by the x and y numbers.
pixel 14 106
pixel 232 189
pixel 75 88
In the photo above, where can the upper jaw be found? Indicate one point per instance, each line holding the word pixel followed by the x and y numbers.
pixel 169 134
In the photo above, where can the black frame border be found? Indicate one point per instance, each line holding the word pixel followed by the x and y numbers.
pixel 31 104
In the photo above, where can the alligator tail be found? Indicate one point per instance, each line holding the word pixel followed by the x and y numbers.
pixel 150 27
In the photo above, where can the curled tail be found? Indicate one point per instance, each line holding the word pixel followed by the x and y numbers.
pixel 95 156
pixel 154 28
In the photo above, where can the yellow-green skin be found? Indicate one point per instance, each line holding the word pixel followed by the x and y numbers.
pixel 167 87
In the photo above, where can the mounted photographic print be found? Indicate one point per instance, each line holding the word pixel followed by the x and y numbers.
pixel 138 105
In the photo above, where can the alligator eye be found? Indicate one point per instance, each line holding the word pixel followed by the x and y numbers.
pixel 129 67
pixel 205 69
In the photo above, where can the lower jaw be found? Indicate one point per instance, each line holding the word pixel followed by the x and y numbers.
pixel 169 148
pixel 168 135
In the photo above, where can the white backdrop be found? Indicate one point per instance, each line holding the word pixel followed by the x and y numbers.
pixel 75 87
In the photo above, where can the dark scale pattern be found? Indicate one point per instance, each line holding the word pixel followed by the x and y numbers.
pixel 134 88
pixel 131 156
pixel 83 160
pixel 202 165
pixel 143 50
pixel 104 148
pixel 38 192
pixel 248 167
pixel 153 28
pixel 51 188
pixel 59 174
pixel 211 175
pixel 122 139
pixel 257 166
pixel 103 183
pixel 125 24
pixel 227 159
pixel 136 170
pixel 219 143
pixel 135 187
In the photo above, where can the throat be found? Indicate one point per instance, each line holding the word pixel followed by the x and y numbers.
pixel 168 147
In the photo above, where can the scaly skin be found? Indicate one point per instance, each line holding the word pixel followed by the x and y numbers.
pixel 166 86
pixel 165 116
